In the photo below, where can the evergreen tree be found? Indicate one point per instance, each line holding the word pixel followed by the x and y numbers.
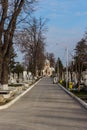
pixel 18 68
pixel 59 68
pixel 12 62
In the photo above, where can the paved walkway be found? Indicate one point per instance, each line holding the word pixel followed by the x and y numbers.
pixel 45 107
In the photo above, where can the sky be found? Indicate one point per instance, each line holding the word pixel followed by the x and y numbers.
pixel 67 23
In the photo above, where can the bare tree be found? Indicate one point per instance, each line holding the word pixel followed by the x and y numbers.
pixel 80 54
pixel 10 12
pixel 51 58
pixel 80 58
pixel 32 44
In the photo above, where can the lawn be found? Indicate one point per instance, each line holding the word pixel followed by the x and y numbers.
pixel 82 94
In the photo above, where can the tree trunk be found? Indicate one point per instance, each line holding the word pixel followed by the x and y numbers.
pixel 79 81
pixel 0 67
pixel 4 73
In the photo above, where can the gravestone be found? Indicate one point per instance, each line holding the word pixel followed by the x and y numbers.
pixel 15 78
pixel 11 78
pixel 30 77
pixel 85 77
pixel 20 77
pixel 25 76
pixel 74 78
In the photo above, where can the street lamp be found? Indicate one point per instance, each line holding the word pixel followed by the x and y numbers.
pixel 66 67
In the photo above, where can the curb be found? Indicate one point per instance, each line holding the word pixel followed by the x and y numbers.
pixel 17 98
pixel 84 104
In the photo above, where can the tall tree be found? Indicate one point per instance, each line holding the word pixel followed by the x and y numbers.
pixel 51 58
pixel 80 55
pixel 59 68
pixel 10 12
pixel 80 58
pixel 32 44
pixel 12 61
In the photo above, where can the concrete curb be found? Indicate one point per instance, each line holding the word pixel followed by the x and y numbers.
pixel 84 104
pixel 17 98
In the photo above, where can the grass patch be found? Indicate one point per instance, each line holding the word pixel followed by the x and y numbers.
pixel 82 94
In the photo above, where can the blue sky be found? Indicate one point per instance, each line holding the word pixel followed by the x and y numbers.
pixel 66 26
pixel 67 23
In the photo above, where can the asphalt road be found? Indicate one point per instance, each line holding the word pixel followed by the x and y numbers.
pixel 45 107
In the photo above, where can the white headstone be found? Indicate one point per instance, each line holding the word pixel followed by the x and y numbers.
pixel 25 75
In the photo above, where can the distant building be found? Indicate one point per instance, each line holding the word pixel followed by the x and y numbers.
pixel 47 71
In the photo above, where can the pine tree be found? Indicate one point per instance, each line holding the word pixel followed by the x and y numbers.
pixel 12 62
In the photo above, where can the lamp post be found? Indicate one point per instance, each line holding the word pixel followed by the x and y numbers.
pixel 66 67
pixel 58 69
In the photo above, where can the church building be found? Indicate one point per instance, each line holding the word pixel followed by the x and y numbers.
pixel 47 71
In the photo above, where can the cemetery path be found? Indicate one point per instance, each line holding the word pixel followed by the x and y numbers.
pixel 45 107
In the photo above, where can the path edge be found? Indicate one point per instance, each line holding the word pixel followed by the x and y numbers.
pixel 18 97
pixel 84 104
